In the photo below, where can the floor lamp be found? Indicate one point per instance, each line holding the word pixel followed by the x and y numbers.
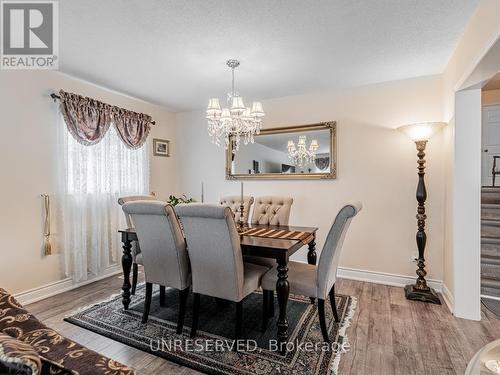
pixel 420 134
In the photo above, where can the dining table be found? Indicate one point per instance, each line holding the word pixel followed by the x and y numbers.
pixel 257 240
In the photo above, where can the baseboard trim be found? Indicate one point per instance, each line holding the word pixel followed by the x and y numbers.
pixel 384 278
pixel 61 286
pixel 448 298
pixel 67 284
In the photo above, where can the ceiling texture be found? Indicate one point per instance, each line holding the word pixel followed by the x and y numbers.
pixel 173 52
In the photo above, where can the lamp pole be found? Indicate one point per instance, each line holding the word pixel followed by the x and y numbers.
pixel 420 291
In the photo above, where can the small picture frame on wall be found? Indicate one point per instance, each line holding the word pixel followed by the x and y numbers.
pixel 161 147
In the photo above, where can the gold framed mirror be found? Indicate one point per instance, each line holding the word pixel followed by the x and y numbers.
pixel 294 152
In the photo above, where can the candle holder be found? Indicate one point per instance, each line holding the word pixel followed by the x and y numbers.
pixel 241 223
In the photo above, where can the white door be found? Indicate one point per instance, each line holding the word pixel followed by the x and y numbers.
pixel 490 143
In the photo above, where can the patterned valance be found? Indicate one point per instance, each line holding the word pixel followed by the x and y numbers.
pixel 88 120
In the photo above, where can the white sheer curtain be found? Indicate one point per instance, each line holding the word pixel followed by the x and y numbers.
pixel 93 177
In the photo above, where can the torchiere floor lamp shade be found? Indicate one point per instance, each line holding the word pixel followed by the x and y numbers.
pixel 420 133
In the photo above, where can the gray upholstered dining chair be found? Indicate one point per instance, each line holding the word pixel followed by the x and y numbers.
pixel 315 281
pixel 217 264
pixel 163 248
pixel 234 203
pixel 272 210
pixel 136 250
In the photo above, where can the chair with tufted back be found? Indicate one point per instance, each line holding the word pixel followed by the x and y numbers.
pixel 136 250
pixel 272 210
pixel 234 202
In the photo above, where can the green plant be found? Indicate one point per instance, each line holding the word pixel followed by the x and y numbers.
pixel 174 201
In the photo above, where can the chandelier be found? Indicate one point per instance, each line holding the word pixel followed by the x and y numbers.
pixel 238 121
pixel 300 155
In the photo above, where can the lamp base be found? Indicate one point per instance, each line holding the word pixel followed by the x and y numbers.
pixel 429 296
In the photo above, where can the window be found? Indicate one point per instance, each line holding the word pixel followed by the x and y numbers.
pixel 94 178
pixel 107 168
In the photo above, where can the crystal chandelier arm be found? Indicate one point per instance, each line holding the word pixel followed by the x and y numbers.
pixel 233 64
pixel 232 83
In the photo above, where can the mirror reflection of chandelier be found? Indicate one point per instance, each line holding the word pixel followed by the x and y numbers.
pixel 238 121
pixel 300 155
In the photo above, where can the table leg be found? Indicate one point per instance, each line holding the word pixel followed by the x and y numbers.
pixel 312 256
pixel 126 266
pixel 282 290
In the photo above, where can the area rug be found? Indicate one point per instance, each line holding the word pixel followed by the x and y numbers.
pixel 214 351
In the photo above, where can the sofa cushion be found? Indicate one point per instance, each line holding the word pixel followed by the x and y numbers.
pixel 17 357
pixel 55 348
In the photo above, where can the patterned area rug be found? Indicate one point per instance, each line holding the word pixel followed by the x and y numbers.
pixel 214 351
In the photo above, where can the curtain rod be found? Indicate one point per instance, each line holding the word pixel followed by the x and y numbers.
pixel 56 97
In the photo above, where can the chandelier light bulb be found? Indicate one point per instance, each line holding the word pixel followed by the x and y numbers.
pixel 225 115
pixel 246 116
pixel 302 141
pixel 213 109
pixel 237 106
pixel 257 110
pixel 314 145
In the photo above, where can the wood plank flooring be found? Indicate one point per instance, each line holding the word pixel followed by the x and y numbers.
pixel 388 335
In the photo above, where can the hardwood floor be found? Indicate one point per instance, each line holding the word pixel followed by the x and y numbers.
pixel 388 335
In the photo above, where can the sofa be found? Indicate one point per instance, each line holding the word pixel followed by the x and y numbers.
pixel 27 346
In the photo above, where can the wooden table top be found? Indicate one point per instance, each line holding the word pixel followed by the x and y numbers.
pixel 311 230
pixel 276 243
pixel 250 244
pixel 283 227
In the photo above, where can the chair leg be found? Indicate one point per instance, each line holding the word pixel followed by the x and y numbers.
pixel 313 300
pixel 322 321
pixel 221 303
pixel 265 309
pixel 239 320
pixel 162 296
pixel 196 313
pixel 147 302
pixel 183 295
pixel 135 272
pixel 334 304
pixel 271 304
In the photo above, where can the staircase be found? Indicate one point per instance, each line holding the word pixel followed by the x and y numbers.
pixel 490 241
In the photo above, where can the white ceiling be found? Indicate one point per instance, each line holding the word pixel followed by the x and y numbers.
pixel 173 52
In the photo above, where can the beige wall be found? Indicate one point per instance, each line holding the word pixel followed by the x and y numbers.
pixel 28 153
pixel 481 32
pixel 376 165
pixel 490 97
pixel 480 35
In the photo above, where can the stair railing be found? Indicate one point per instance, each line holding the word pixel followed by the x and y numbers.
pixel 494 171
